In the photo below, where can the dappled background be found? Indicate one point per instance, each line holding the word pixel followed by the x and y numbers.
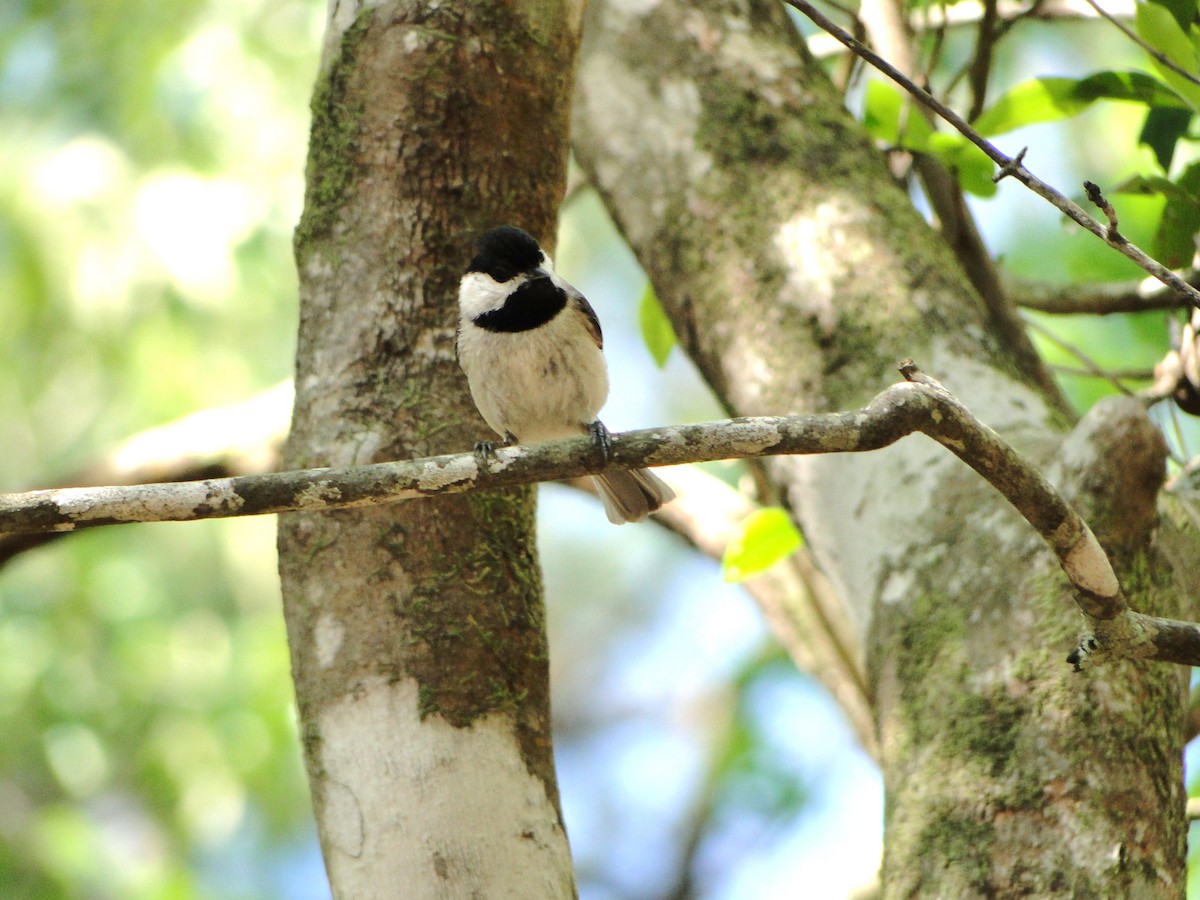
pixel 151 172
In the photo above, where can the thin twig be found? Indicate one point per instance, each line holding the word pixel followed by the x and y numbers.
pixel 1097 197
pixel 936 47
pixel 981 62
pixel 1158 55
pixel 1087 372
pixel 891 35
pixel 1009 167
pixel 1090 364
pixel 931 17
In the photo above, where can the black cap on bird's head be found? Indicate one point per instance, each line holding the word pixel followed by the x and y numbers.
pixel 506 252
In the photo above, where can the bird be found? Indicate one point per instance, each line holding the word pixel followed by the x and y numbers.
pixel 531 347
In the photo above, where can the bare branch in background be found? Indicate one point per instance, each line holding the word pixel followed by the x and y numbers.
pixel 1010 167
pixel 1100 299
pixel 1107 374
pixel 981 62
pixel 1090 365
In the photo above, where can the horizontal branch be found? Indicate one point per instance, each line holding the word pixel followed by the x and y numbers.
pixel 233 439
pixel 886 420
pixel 920 404
pixel 1098 299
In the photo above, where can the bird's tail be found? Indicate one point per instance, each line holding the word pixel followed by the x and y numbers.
pixel 630 495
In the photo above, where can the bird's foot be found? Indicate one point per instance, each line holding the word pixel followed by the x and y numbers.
pixel 485 451
pixel 601 439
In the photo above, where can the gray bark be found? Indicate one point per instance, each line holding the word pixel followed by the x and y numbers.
pixel 416 630
pixel 796 273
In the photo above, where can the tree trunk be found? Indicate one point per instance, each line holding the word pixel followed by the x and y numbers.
pixel 416 630
pixel 797 274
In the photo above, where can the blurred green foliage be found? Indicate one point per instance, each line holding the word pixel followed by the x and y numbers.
pixel 1095 107
pixel 150 176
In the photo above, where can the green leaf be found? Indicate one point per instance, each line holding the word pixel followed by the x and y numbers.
pixel 1183 10
pixel 892 117
pixel 1052 99
pixel 1162 130
pixel 1157 27
pixel 657 331
pixel 1175 241
pixel 767 536
pixel 1148 185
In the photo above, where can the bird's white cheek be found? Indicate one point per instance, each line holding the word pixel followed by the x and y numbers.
pixel 478 293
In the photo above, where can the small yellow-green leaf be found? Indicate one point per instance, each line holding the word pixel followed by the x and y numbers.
pixel 1175 241
pixel 766 536
pixel 656 327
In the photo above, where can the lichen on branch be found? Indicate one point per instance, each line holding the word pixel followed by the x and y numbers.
pixel 918 404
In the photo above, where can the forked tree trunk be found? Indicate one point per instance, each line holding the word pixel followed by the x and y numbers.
pixel 416 630
pixel 797 274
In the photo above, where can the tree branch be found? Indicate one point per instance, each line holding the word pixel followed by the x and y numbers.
pixel 889 31
pixel 981 63
pixel 1158 55
pixel 1010 167
pixel 1098 299
pixel 1090 365
pixel 236 439
pixel 932 18
pixel 920 404
pixel 893 414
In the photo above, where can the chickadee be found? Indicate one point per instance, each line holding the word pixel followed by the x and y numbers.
pixel 531 348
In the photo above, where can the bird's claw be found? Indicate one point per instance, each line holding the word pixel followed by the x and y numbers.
pixel 601 438
pixel 485 451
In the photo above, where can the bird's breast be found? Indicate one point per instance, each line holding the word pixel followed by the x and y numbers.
pixel 540 384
